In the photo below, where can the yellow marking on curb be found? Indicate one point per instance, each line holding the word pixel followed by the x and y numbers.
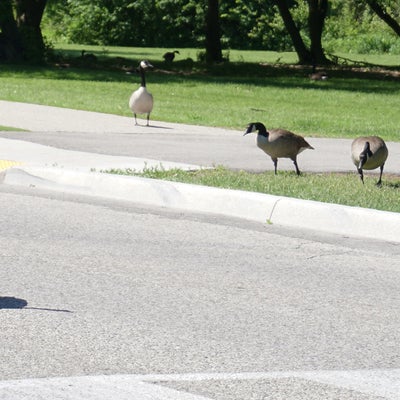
pixel 5 164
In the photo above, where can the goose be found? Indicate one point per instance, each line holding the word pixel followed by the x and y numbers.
pixel 318 75
pixel 278 143
pixel 141 101
pixel 170 55
pixel 89 57
pixel 369 152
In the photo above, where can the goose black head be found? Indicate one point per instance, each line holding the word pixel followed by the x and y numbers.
pixel 144 64
pixel 255 127
pixel 364 155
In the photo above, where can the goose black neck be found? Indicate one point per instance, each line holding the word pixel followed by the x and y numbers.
pixel 367 150
pixel 143 83
pixel 262 130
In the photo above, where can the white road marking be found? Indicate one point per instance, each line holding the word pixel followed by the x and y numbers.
pixel 115 387
pixel 384 383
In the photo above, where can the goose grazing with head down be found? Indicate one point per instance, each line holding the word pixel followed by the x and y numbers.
pixel 369 152
pixel 278 143
pixel 141 101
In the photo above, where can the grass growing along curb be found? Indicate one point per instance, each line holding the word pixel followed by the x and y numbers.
pixel 345 189
pixel 9 128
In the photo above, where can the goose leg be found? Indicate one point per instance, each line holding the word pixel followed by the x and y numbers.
pixel 148 117
pixel 275 161
pixel 134 114
pixel 379 183
pixel 361 175
pixel 297 168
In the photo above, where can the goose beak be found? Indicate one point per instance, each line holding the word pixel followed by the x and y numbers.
pixel 145 65
pixel 148 65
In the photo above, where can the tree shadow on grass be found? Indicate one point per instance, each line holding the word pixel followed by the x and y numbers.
pixel 16 303
pixel 372 79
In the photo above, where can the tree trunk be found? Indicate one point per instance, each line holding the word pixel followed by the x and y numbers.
pixel 213 33
pixel 10 43
pixel 20 35
pixel 317 10
pixel 383 15
pixel 305 56
pixel 29 15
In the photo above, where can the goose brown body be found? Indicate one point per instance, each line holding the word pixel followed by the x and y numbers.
pixel 170 55
pixel 279 143
pixel 369 152
pixel 318 75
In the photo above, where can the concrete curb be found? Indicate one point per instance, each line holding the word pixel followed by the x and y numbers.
pixel 332 218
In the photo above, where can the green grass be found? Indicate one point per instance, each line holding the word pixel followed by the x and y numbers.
pixel 9 128
pixel 154 54
pixel 254 86
pixel 345 189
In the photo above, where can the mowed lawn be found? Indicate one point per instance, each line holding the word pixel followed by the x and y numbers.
pixel 254 86
pixel 266 89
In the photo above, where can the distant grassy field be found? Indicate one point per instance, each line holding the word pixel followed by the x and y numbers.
pixel 254 86
pixel 155 54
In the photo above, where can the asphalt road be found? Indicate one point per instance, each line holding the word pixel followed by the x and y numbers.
pixel 192 144
pixel 104 299
pixel 92 287
pixel 216 147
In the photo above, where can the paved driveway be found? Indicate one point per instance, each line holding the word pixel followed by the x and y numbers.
pixel 118 136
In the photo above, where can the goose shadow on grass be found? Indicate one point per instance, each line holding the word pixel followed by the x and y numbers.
pixel 16 303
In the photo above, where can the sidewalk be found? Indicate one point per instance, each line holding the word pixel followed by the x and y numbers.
pixel 31 164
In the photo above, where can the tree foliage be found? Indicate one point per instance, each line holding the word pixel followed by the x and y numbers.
pixel 311 27
pixel 354 27
pixel 128 23
pixel 249 24
pixel 166 23
pixel 383 11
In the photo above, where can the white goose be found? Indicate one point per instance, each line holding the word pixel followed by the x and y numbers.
pixel 141 101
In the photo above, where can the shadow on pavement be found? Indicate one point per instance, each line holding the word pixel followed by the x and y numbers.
pixel 16 303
